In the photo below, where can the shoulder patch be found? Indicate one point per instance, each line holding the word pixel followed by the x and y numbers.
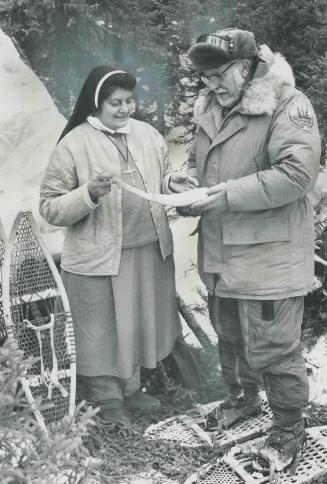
pixel 300 113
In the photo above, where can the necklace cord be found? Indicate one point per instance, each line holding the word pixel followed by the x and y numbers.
pixel 128 153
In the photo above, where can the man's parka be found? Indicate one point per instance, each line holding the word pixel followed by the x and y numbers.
pixel 267 149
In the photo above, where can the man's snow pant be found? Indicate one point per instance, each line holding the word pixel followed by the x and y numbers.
pixel 260 341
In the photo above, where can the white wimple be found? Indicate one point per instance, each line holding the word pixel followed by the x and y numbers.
pixel 54 381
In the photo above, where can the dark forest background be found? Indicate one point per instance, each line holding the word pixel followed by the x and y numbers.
pixel 64 39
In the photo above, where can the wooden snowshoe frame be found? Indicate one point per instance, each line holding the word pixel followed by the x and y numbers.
pixel 236 466
pixel 189 430
pixel 37 317
pixel 3 242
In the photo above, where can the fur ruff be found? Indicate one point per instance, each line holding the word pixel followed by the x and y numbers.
pixel 263 92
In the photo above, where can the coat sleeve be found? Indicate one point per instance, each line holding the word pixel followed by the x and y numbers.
pixel 62 201
pixel 294 152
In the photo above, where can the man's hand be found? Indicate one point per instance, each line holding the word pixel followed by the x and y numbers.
pixel 179 182
pixel 217 199
pixel 99 186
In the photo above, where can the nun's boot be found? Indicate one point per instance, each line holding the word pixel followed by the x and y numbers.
pixel 105 392
pixel 135 399
pixel 114 412
pixel 142 402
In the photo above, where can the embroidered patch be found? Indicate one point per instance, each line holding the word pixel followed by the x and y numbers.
pixel 300 113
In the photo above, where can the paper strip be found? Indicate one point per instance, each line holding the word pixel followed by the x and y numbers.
pixel 173 200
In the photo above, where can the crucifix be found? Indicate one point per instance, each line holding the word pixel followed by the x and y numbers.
pixel 130 172
pixel 120 145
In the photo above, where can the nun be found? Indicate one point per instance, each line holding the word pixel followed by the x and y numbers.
pixel 117 259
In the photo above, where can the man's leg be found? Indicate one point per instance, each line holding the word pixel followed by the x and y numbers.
pixel 272 332
pixel 243 381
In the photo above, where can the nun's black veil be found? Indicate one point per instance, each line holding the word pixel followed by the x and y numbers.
pixel 85 104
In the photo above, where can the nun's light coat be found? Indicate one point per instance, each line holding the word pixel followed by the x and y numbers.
pixel 93 238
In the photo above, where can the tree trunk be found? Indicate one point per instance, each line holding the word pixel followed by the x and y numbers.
pixel 190 320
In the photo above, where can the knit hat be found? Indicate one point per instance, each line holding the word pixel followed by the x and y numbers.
pixel 218 48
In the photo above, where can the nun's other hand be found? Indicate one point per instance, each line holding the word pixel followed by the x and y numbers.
pixel 180 181
pixel 99 186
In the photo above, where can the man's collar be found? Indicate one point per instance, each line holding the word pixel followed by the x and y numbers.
pixel 97 124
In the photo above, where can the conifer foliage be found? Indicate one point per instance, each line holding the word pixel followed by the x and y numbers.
pixel 27 454
pixel 64 39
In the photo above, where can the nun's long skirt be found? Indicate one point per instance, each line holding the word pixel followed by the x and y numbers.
pixel 127 320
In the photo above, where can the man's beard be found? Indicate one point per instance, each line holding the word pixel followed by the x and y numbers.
pixel 235 97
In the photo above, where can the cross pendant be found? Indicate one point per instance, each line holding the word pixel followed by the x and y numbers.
pixel 130 172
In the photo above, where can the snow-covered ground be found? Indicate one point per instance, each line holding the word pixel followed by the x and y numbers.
pixel 30 125
pixel 317 361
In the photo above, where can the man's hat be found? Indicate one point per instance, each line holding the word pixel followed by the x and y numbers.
pixel 214 50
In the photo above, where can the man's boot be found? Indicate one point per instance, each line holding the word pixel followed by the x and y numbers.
pixel 240 404
pixel 237 408
pixel 281 447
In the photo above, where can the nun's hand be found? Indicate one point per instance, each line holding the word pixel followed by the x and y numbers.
pixel 99 186
pixel 180 181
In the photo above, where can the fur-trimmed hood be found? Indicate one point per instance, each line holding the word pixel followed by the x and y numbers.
pixel 261 97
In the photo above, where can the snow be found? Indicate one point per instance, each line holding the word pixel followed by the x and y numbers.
pixel 187 278
pixel 30 125
pixel 317 362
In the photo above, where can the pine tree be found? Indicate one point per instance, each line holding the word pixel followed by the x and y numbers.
pixel 298 30
pixel 27 453
pixel 64 39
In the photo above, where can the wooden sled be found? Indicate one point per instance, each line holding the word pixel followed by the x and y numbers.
pixel 37 317
pixel 236 465
pixel 189 430
pixel 3 241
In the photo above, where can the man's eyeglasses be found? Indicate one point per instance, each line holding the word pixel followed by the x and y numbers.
pixel 214 78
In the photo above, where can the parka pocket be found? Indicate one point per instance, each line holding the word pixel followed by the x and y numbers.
pixel 247 231
pixel 269 341
pixel 256 254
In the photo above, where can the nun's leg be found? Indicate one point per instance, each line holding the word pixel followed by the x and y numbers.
pixel 137 400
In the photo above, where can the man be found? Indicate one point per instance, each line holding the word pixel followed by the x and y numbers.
pixel 257 147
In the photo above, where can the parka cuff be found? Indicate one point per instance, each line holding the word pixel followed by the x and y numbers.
pixel 246 194
pixel 165 184
pixel 234 194
pixel 87 198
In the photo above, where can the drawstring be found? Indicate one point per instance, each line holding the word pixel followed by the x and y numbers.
pixel 54 381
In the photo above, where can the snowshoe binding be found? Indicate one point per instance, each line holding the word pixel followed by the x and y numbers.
pixel 281 449
pixel 237 407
